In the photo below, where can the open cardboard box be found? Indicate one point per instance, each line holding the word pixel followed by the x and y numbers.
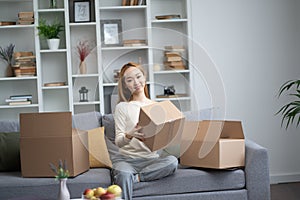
pixel 213 144
pixel 47 138
pixel 161 122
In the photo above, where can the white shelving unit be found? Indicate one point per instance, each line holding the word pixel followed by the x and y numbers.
pixel 62 65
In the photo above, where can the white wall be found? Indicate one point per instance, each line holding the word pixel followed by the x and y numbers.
pixel 256 47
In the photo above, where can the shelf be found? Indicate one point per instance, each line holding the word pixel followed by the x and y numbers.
pixel 84 75
pixel 55 87
pixel 83 24
pixel 172 71
pixel 174 99
pixel 53 51
pixel 86 103
pixel 114 8
pixel 169 20
pixel 51 10
pixel 110 84
pixel 19 106
pixel 18 78
pixel 17 26
pixel 123 48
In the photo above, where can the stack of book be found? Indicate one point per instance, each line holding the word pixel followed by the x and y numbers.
pixel 134 43
pixel 162 17
pixel 19 100
pixel 25 18
pixel 173 57
pixel 25 64
pixel 132 2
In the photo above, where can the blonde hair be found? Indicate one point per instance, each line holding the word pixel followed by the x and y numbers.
pixel 123 91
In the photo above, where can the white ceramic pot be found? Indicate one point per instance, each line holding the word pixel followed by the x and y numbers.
pixel 53 44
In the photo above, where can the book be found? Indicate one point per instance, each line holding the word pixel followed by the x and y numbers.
pixel 25 15
pixel 16 100
pixel 161 17
pixel 175 48
pixel 173 58
pixel 19 103
pixel 27 96
pixel 7 23
pixel 23 54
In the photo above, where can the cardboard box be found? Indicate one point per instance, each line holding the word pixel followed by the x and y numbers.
pixel 161 123
pixel 47 138
pixel 213 144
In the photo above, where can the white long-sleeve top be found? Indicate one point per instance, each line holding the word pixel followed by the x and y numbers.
pixel 126 118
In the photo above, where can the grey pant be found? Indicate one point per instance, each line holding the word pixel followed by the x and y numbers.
pixel 126 171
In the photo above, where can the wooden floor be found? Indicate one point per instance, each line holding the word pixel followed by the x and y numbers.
pixel 288 191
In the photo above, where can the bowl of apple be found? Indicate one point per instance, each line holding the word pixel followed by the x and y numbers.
pixel 113 192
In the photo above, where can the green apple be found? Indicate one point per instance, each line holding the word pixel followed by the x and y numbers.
pixel 115 189
pixel 88 193
pixel 99 191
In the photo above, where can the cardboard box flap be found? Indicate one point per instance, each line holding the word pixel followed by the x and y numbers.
pixel 48 124
pixel 232 130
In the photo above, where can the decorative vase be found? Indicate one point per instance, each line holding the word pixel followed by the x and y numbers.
pixel 9 71
pixel 64 193
pixel 82 67
pixel 53 44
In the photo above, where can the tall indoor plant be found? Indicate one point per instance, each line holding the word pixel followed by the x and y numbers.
pixel 51 31
pixel 291 111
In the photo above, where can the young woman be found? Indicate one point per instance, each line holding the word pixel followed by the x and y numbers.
pixel 135 162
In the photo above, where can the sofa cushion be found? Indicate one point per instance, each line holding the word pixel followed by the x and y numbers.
pixel 8 126
pixel 192 180
pixel 98 153
pixel 109 123
pixel 10 151
pixel 87 121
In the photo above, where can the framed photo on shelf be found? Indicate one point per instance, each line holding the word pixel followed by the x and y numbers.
pixel 82 11
pixel 111 32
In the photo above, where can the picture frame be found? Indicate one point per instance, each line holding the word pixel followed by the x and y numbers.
pixel 82 11
pixel 111 32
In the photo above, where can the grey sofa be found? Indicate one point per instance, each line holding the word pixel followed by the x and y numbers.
pixel 249 183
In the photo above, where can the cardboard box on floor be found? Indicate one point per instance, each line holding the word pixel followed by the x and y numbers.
pixel 213 144
pixel 161 122
pixel 47 138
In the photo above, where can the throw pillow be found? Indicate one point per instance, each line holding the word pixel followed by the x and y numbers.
pixel 109 123
pixel 98 153
pixel 10 151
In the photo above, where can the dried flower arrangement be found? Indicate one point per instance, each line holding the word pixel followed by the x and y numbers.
pixel 6 54
pixel 61 171
pixel 83 49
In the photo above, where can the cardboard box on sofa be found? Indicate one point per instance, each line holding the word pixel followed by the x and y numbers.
pixel 47 138
pixel 161 122
pixel 215 144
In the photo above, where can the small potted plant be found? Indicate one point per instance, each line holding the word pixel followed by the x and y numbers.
pixel 6 54
pixel 291 111
pixel 62 174
pixel 51 32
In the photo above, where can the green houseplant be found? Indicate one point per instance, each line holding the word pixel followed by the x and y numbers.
pixel 291 111
pixel 50 31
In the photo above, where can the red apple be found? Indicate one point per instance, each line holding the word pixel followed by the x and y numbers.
pixel 107 196
pixel 88 193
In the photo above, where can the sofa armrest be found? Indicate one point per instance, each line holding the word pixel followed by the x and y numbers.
pixel 257 171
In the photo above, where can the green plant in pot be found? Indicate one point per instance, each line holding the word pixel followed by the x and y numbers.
pixel 291 111
pixel 51 32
